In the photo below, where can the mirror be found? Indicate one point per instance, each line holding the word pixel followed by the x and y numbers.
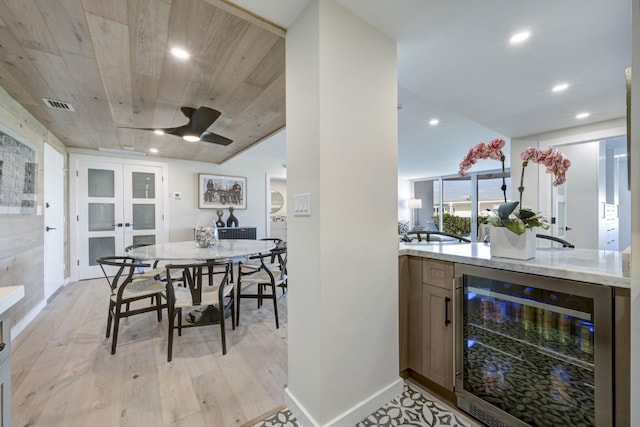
pixel 277 201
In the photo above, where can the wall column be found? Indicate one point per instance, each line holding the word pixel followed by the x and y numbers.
pixel 635 216
pixel 343 258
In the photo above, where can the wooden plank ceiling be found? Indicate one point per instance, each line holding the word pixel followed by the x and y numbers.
pixel 110 60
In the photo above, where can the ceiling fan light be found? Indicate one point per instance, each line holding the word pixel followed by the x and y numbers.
pixel 519 37
pixel 180 53
pixel 560 87
pixel 158 132
pixel 191 138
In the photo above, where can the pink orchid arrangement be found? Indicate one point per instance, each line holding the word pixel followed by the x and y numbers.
pixel 552 159
pixel 491 150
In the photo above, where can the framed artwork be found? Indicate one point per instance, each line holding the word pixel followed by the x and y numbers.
pixel 18 174
pixel 219 192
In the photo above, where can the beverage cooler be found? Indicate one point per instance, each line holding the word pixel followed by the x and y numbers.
pixel 533 350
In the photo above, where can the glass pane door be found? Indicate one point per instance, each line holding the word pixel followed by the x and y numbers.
pixel 143 204
pixel 117 205
pixel 100 219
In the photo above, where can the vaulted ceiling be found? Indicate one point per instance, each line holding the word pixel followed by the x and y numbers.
pixel 110 60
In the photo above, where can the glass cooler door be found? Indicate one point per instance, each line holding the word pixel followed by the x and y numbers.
pixel 533 350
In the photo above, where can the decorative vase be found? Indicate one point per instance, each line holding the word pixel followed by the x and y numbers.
pixel 507 244
pixel 206 233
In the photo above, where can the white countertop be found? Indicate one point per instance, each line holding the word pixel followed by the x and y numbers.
pixel 9 295
pixel 585 265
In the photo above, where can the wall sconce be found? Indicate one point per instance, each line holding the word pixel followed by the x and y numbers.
pixel 415 204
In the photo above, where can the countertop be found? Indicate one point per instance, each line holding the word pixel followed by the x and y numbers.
pixel 585 265
pixel 9 295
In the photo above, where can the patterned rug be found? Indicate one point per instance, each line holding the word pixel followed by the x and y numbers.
pixel 411 408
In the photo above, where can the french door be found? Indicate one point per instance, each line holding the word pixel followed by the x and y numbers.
pixel 117 204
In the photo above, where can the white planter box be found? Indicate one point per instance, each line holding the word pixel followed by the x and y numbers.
pixel 507 244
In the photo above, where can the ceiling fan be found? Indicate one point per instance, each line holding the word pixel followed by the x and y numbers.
pixel 196 129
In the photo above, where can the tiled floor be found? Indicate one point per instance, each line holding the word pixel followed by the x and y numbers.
pixel 414 407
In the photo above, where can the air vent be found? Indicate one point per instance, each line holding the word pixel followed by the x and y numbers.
pixel 58 105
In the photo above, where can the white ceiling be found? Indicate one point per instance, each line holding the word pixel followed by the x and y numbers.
pixel 455 63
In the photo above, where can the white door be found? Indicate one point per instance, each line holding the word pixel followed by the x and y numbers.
pixel 578 200
pixel 53 221
pixel 559 214
pixel 142 205
pixel 117 205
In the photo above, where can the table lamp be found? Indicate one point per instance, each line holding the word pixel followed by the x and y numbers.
pixel 415 204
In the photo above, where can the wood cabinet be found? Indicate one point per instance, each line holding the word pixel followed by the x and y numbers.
pixel 437 322
pixel 5 370
pixel 426 322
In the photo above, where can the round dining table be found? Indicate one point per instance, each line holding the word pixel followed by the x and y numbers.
pixel 187 250
pixel 228 248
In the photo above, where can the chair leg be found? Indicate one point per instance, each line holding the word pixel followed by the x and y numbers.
pixel 237 302
pixel 110 318
pixel 159 306
pixel 116 324
pixel 222 331
pixel 233 311
pixel 275 305
pixel 172 316
pixel 179 314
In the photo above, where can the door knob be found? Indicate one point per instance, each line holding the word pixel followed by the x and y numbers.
pixel 50 228
pixel 117 225
pixel 567 228
pixel 46 205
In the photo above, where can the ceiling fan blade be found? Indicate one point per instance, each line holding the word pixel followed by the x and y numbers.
pixel 215 138
pixel 188 111
pixel 202 118
pixel 178 131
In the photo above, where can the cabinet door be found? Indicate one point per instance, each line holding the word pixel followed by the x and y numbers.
pixel 414 317
pixel 437 325
pixel 438 273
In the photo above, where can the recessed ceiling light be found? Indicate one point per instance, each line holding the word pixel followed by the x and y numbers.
pixel 582 115
pixel 180 53
pixel 158 132
pixel 560 87
pixel 434 122
pixel 519 37
pixel 191 138
pixel 153 150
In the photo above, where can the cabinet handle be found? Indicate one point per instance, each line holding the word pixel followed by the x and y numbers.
pixel 2 346
pixel 447 300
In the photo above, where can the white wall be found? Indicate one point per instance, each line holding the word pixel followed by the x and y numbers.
pixel 342 149
pixel 635 221
pixel 183 178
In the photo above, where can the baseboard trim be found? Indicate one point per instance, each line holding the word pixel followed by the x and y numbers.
pixel 28 318
pixel 351 416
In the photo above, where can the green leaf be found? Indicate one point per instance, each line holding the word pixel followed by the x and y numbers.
pixel 525 214
pixel 514 225
pixel 506 209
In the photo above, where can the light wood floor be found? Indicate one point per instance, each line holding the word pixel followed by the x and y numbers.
pixel 64 375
